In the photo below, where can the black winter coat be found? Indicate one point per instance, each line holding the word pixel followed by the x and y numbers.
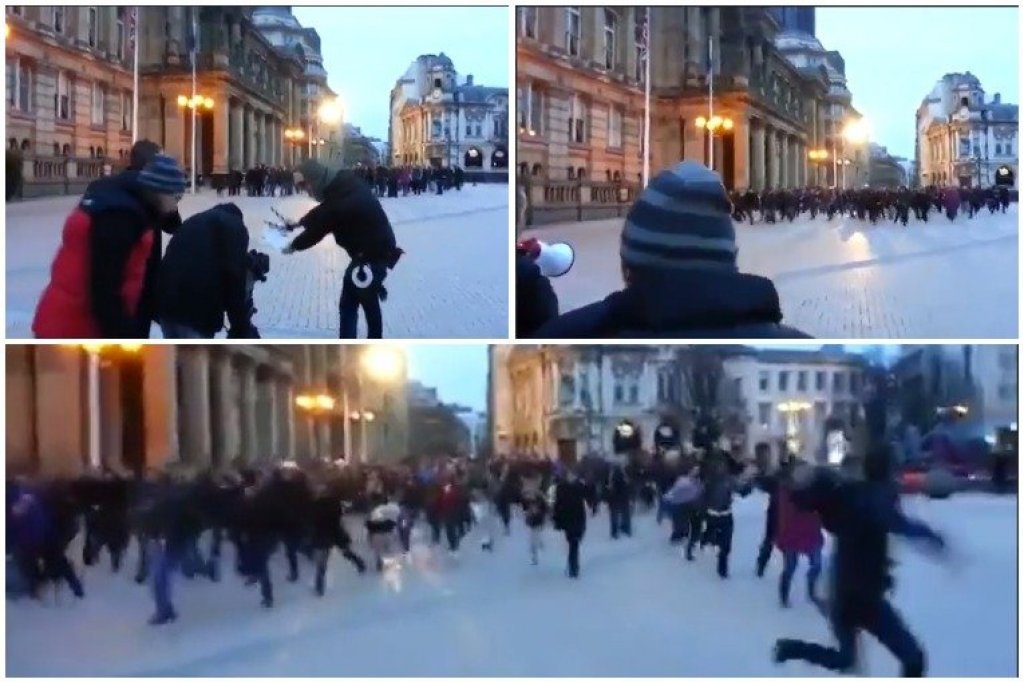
pixel 570 508
pixel 204 274
pixel 687 304
pixel 354 216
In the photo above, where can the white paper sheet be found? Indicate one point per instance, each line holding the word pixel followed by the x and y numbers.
pixel 276 239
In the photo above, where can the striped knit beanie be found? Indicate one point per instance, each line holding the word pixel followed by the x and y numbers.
pixel 682 220
pixel 162 175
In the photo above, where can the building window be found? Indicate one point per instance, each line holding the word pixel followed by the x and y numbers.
pixel 126 111
pixel 854 382
pixel 93 27
pixel 765 382
pixel 642 39
pixel 998 149
pixel 62 100
pixel 528 21
pixel 58 20
pixel 614 128
pixel 19 90
pixel 479 130
pixel 573 30
pixel 783 381
pixel 468 130
pixel 634 394
pixel 619 394
pixel 530 110
pixel 577 122
pixel 839 382
pixel 97 104
pixel 821 381
pixel 801 381
pixel 764 414
pixel 610 39
pixel 566 392
pixel 119 34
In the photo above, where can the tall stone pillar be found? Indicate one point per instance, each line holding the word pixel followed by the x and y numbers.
pixel 757 153
pixel 174 125
pixel 61 408
pixel 236 153
pixel 196 443
pixel 20 453
pixel 250 437
pixel 221 140
pixel 160 404
pixel 111 419
pixel 741 145
pixel 260 137
pixel 250 137
pixel 266 411
pixel 785 165
pixel 226 408
pixel 285 406
pixel 772 157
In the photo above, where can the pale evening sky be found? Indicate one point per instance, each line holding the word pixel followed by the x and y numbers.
pixel 366 49
pixel 895 55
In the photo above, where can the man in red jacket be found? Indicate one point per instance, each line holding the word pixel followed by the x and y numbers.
pixel 99 272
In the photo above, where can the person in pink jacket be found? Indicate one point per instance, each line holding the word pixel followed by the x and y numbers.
pixel 799 533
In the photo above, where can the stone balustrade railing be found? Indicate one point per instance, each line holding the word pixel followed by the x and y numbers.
pixel 56 175
pixel 552 201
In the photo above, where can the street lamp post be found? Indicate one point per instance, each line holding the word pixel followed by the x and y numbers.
pixel 817 157
pixel 792 411
pixel 317 405
pixel 712 125
pixel 95 353
pixel 194 104
pixel 856 133
pixel 294 136
pixel 382 364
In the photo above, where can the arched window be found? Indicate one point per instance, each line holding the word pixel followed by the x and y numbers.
pixel 99 153
pixel 12 143
pixel 607 174
pixel 56 149
pixel 92 152
pixel 571 173
pixel 67 150
pixel 537 169
pixel 25 145
pixel 523 168
pixel 617 177
pixel 581 173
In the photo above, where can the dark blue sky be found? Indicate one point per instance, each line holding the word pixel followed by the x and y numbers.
pixel 894 56
pixel 366 49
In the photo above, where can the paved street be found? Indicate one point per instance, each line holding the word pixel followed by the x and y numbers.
pixel 451 283
pixel 639 609
pixel 847 279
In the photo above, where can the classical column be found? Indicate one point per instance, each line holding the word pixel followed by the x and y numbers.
pixel 61 411
pixel 196 443
pixel 174 125
pixel 285 418
pixel 111 420
pixel 226 408
pixel 772 158
pixel 741 145
pixel 757 179
pixel 264 156
pixel 250 442
pixel 160 404
pixel 20 453
pixel 266 411
pixel 221 127
pixel 250 137
pixel 236 153
pixel 784 180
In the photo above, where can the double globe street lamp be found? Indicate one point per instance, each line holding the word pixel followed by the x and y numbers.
pixel 714 125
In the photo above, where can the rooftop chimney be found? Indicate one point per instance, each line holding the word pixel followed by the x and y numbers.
pixel 998 98
pixel 468 79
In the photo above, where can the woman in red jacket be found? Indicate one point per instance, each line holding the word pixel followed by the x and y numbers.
pixel 798 533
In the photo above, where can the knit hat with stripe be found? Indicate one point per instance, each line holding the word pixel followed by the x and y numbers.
pixel 163 175
pixel 681 221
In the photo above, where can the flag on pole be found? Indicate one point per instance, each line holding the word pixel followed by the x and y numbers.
pixel 133 18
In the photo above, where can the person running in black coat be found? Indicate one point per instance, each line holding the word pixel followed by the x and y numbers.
pixel 570 516
pixel 205 277
pixel 767 481
pixel 860 514
pixel 328 530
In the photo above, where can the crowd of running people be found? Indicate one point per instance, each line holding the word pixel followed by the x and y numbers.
pixel 180 520
pixel 870 204
pixel 270 181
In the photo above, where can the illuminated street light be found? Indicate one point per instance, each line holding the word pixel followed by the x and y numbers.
pixel 856 132
pixel 818 154
pixel 383 363
pixel 330 112
pixel 715 123
pixel 196 102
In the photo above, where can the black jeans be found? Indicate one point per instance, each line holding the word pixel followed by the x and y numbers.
pixel 368 298
pixel 848 617
pixel 766 544
pixel 452 527
pixel 719 531
pixel 620 515
pixel 573 540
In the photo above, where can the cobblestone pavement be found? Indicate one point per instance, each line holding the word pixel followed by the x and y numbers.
pixel 451 283
pixel 845 279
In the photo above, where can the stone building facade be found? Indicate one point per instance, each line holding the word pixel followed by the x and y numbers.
pixel 964 139
pixel 200 405
pixel 565 401
pixel 580 105
pixel 69 93
pixel 438 121
pixel 70 86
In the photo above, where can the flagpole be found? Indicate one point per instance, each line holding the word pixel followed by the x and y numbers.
pixel 195 104
pixel 135 78
pixel 710 81
pixel 646 103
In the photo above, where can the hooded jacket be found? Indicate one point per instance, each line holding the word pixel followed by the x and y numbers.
pixel 681 304
pixel 349 211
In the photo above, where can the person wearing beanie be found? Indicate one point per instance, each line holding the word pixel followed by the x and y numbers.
pixel 99 272
pixel 679 265
pixel 205 277
pixel 348 209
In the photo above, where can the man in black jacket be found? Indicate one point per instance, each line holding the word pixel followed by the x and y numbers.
pixel 205 276
pixel 767 481
pixel 678 255
pixel 570 516
pixel 860 514
pixel 350 212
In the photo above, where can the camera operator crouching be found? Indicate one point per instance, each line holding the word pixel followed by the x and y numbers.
pixel 207 273
pixel 350 212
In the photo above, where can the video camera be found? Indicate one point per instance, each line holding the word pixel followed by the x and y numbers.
pixel 257 271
